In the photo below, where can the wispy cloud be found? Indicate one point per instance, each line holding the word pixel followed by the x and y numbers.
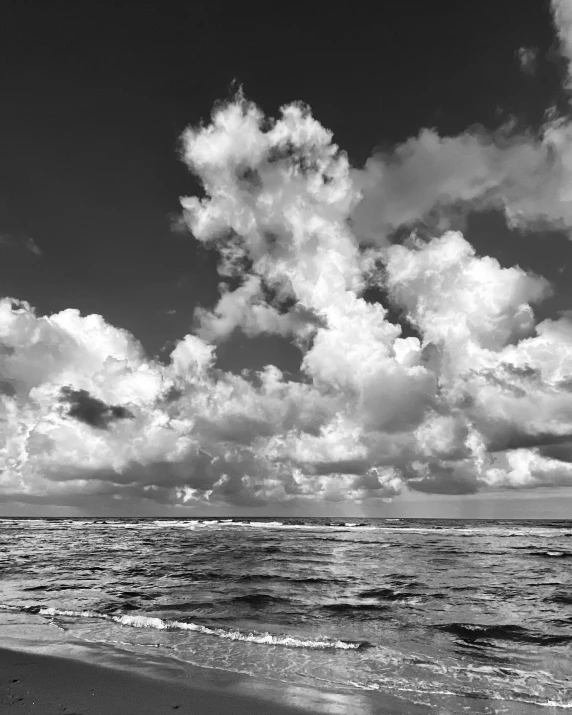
pixel 527 57
pixel 23 242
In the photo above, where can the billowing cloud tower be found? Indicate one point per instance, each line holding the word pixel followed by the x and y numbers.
pixel 476 394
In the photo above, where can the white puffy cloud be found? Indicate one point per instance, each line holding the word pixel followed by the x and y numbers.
pixel 481 398
pixel 503 380
pixel 435 180
pixel 562 14
pixel 247 309
pixel 83 411
pixel 460 300
pixel 526 468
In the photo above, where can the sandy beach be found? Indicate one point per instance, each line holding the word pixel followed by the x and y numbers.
pixel 46 685
pixel 46 671
pixel 34 683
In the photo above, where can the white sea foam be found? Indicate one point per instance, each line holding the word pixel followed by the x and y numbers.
pixel 219 524
pixel 383 526
pixel 230 634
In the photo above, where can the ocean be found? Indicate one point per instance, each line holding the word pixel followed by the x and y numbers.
pixel 451 616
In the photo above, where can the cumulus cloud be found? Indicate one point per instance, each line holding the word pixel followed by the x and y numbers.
pixel 434 180
pixel 562 14
pixel 481 398
pixel 84 411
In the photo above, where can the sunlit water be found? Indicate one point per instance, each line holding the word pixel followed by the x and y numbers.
pixel 435 612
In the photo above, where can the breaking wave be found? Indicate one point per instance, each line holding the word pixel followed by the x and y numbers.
pixel 288 641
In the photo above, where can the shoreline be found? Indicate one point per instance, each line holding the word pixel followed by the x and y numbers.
pixel 44 672
pixel 37 683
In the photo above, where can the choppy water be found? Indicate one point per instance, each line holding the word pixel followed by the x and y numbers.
pixel 436 612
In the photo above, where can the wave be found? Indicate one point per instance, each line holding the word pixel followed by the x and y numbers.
pixel 217 524
pixel 294 579
pixel 496 529
pixel 203 575
pixel 387 594
pixel 358 611
pixel 552 554
pixel 55 587
pixel 282 639
pixel 259 599
pixel 318 579
pixel 473 632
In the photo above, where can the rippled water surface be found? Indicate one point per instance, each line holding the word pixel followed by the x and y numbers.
pixel 435 612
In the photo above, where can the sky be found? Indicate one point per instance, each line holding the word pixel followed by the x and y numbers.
pixel 272 262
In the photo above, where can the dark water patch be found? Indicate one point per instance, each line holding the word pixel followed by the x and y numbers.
pixel 387 594
pixel 298 561
pixel 542 584
pixel 56 588
pixel 319 579
pixel 294 579
pixel 357 611
pixel 562 622
pixel 115 606
pixel 128 606
pixel 565 598
pixel 405 580
pixel 37 588
pixel 193 605
pixel 137 571
pixel 371 542
pixel 259 599
pixel 399 577
pixel 136 594
pixel 203 575
pixel 474 633
pixel 503 592
pixel 338 538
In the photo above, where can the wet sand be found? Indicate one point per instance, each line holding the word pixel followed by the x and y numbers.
pixel 45 671
pixel 33 683
pixel 46 685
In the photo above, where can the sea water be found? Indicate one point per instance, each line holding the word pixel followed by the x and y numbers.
pixel 457 616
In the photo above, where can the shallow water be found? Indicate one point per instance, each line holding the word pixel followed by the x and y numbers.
pixel 435 612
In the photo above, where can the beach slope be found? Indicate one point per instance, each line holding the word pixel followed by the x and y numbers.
pixel 49 685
